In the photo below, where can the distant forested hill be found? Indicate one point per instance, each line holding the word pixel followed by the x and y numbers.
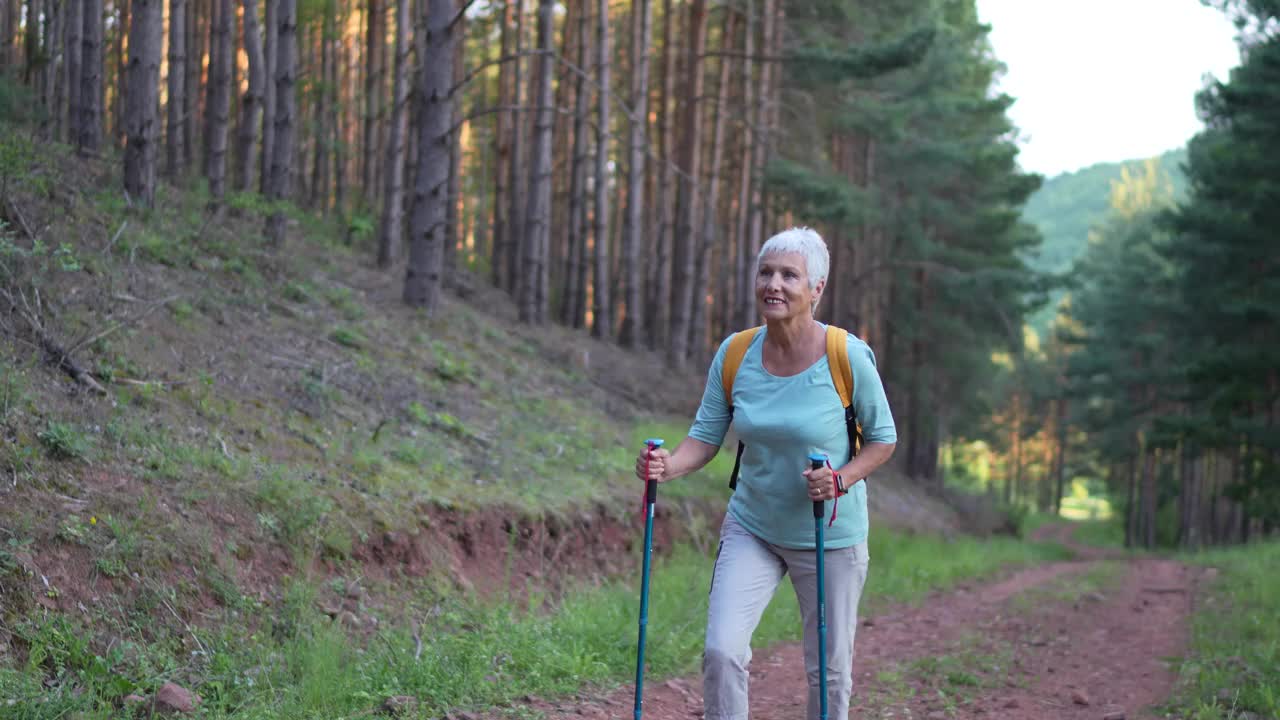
pixel 1068 205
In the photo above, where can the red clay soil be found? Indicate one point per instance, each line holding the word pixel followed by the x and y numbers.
pixel 1037 644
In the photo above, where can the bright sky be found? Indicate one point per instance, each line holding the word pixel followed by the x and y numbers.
pixel 1105 80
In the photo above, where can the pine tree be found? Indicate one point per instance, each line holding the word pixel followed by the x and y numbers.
pixel 142 122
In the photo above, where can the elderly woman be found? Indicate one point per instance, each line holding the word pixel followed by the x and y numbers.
pixel 784 406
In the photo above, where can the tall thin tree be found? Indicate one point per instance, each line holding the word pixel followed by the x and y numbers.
pixel 219 103
pixel 270 39
pixel 430 194
pixel 251 103
pixel 684 248
pixel 91 59
pixel 281 185
pixel 634 231
pixel 389 230
pixel 602 323
pixel 177 88
pixel 142 120
pixel 73 48
pixel 533 296
pixel 375 69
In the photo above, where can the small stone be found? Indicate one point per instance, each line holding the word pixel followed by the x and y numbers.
pixel 397 705
pixel 1079 697
pixel 134 700
pixel 175 698
pixel 1114 715
pixel 937 715
pixel 1011 704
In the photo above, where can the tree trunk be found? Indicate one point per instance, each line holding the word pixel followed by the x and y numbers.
pixel 430 193
pixel 117 80
pixel 699 330
pixel 761 126
pixel 142 122
pixel 280 187
pixel 634 231
pixel 660 283
pixel 270 40
pixel 533 297
pixel 515 215
pixel 73 69
pixel 455 210
pixel 1148 503
pixel 393 196
pixel 575 293
pixel 251 104
pixel 502 153
pixel 323 114
pixel 684 248
pixel 375 69
pixel 91 59
pixel 744 299
pixel 195 47
pixel 177 89
pixel 602 323
pixel 219 103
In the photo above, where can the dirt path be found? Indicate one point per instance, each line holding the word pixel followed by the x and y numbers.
pixel 1083 639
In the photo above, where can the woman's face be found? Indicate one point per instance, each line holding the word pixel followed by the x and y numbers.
pixel 782 287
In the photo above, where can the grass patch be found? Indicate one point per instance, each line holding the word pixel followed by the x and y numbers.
pixel 906 566
pixel 65 441
pixel 1233 667
pixel 477 654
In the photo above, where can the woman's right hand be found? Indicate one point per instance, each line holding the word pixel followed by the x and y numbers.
pixel 653 464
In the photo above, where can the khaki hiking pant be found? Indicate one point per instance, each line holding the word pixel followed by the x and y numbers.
pixel 747 572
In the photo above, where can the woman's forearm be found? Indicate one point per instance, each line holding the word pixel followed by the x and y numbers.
pixel 872 456
pixel 690 456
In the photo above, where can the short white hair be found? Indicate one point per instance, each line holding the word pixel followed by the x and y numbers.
pixel 805 241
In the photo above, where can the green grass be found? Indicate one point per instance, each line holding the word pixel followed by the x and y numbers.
pixel 1233 667
pixel 296 664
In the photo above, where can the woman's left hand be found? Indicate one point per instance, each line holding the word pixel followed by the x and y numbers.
pixel 822 484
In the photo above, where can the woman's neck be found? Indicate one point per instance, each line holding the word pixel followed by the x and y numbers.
pixel 791 334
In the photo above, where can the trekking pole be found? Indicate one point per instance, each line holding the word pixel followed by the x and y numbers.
pixel 650 495
pixel 817 461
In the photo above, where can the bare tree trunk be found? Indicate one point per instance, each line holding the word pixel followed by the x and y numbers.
pixel 533 297
pixel 684 249
pixel 219 104
pixel 91 59
pixel 760 145
pixel 633 234
pixel 174 154
pixel 430 193
pixel 195 46
pixel 271 9
pixel 660 284
pixel 251 105
pixel 279 189
pixel 515 215
pixel 375 69
pixel 454 211
pixel 323 115
pixel 574 306
pixel 73 69
pixel 744 300
pixel 699 330
pixel 393 197
pixel 117 80
pixel 142 121
pixel 602 323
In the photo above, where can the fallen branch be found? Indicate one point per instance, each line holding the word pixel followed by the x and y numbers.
pixel 17 213
pixel 115 327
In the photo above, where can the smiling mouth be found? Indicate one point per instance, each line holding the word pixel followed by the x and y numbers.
pixel 774 301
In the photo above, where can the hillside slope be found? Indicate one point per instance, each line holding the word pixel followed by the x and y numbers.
pixel 276 416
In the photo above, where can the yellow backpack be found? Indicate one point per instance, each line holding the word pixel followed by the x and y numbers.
pixel 841 376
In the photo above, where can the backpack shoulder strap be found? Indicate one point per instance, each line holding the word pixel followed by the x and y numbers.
pixel 737 350
pixel 838 359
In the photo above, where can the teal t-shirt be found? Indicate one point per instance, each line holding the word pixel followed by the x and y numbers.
pixel 781 420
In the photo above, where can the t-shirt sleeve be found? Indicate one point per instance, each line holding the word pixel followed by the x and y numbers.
pixel 714 414
pixel 869 400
